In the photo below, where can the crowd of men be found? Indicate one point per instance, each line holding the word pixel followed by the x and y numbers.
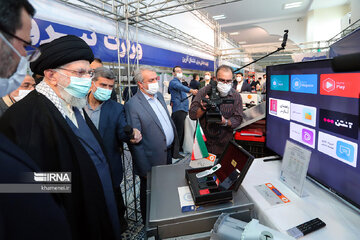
pixel 70 121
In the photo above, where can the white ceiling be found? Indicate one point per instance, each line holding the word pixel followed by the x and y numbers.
pixel 248 17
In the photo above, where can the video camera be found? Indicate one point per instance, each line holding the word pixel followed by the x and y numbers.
pixel 213 114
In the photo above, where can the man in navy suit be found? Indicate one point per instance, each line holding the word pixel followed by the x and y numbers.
pixel 109 118
pixel 147 111
pixel 22 215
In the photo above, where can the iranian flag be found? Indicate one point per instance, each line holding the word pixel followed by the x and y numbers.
pixel 199 148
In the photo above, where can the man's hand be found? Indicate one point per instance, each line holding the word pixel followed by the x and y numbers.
pixel 137 136
pixel 204 104
pixel 193 91
pixel 223 121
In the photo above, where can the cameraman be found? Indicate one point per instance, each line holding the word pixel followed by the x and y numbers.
pixel 218 134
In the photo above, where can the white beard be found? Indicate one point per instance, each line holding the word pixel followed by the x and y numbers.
pixel 71 100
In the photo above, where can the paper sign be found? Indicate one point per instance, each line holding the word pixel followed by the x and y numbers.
pixel 271 194
pixel 203 162
pixel 294 167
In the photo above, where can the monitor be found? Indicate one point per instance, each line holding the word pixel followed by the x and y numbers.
pixel 309 104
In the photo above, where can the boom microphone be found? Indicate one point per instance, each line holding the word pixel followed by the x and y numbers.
pixel 346 63
pixel 129 131
pixel 285 37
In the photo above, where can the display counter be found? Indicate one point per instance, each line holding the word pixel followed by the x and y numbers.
pixel 165 219
pixel 342 221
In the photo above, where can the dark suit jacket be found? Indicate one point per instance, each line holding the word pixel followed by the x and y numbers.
pixel 194 84
pixel 152 150
pixel 27 215
pixel 39 129
pixel 111 127
pixel 246 87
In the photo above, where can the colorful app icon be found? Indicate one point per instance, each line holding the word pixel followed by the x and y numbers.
pixel 340 84
pixel 279 82
pixel 339 122
pixel 273 106
pixel 308 116
pixel 304 83
pixel 303 114
pixel 307 136
pixel 345 151
pixel 338 148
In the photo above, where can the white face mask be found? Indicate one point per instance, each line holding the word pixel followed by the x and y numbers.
pixel 223 89
pixel 22 94
pixel 153 88
pixel 207 77
pixel 238 79
pixel 8 85
pixel 179 75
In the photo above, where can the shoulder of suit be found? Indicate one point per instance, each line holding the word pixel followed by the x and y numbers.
pixel 133 99
pixel 112 105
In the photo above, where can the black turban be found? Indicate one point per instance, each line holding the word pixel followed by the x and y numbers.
pixel 61 51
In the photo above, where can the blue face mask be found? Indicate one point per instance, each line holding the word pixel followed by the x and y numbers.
pixel 7 85
pixel 78 87
pixel 102 94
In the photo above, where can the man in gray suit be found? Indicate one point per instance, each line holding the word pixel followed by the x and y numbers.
pixel 147 111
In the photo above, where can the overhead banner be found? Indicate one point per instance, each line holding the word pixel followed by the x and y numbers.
pixel 105 47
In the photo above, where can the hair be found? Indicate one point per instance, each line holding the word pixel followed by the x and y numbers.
pixel 103 72
pixel 195 75
pixel 224 67
pixel 10 12
pixel 97 60
pixel 239 73
pixel 175 67
pixel 138 77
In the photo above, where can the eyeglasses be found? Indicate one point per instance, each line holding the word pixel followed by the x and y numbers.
pixel 34 52
pixel 229 81
pixel 80 73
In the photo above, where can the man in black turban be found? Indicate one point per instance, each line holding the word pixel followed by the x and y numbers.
pixel 50 125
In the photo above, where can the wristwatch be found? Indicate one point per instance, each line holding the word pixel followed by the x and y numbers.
pixel 226 123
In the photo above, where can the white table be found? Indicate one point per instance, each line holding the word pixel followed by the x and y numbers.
pixel 342 222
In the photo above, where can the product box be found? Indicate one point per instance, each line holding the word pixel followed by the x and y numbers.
pixel 219 186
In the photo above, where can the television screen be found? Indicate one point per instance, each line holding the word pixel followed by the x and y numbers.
pixel 309 104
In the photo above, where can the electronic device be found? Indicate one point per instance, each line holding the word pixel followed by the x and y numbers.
pixel 213 103
pixel 306 228
pixel 235 163
pixel 208 171
pixel 308 103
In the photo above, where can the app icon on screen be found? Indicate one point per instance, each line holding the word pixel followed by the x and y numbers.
pixel 307 136
pixel 345 151
pixel 273 106
pixel 308 114
pixel 329 85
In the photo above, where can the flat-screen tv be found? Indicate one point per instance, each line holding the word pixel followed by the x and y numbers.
pixel 309 104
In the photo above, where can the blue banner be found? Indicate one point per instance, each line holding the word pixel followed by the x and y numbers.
pixel 105 47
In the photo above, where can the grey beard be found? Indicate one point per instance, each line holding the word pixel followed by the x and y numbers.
pixel 71 100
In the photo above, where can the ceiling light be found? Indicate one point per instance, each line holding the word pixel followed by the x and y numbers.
pixel 292 5
pixel 234 33
pixel 242 42
pixel 219 17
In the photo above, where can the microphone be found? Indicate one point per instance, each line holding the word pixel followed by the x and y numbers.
pixel 285 37
pixel 346 63
pixel 129 131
